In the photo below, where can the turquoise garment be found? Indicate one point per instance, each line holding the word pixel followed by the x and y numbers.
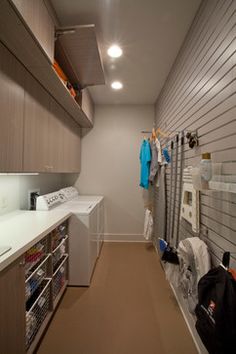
pixel 145 160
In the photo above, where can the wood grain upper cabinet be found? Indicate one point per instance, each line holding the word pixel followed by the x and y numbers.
pixel 11 113
pixel 12 309
pixel 87 104
pixel 51 138
pixel 36 127
pixel 56 133
pixel 64 141
pixel 72 146
pixel 36 16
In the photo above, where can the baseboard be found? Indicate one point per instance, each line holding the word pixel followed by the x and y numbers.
pixel 189 320
pixel 124 238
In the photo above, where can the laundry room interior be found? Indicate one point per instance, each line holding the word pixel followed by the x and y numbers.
pixel 117 176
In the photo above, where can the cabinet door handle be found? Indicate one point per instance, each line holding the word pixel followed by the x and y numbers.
pixel 22 263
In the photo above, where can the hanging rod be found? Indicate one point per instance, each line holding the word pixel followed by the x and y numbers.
pixel 169 131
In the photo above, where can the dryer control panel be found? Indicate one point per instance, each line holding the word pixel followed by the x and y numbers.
pixel 69 192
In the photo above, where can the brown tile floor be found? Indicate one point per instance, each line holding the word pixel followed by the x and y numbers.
pixel 128 309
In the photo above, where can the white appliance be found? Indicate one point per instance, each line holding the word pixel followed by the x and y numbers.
pixel 83 232
pixel 71 195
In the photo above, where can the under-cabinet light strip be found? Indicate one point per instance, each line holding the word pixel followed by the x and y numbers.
pixel 19 174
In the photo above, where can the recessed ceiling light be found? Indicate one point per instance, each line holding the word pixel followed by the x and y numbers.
pixel 114 51
pixel 117 85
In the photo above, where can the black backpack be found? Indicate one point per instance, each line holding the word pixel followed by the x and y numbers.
pixel 216 311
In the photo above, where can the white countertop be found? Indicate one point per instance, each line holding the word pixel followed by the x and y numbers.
pixel 22 229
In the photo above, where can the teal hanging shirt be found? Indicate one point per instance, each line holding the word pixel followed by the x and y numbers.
pixel 145 160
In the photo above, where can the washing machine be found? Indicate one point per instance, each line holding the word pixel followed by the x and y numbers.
pixel 82 235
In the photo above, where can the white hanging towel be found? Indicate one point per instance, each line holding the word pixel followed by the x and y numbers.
pixel 148 225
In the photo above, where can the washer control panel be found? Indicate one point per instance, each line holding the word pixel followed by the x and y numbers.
pixel 48 201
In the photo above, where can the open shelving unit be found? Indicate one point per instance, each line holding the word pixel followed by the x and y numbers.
pixel 46 278
pixel 28 51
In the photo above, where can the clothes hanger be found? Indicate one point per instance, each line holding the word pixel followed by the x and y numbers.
pixel 153 136
pixel 163 134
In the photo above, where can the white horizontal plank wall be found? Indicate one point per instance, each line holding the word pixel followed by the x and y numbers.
pixel 200 94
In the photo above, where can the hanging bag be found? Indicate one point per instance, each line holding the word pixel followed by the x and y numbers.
pixel 216 311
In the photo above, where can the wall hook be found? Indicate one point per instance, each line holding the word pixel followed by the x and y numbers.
pixel 192 139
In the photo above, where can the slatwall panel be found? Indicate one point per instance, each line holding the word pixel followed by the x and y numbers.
pixel 200 94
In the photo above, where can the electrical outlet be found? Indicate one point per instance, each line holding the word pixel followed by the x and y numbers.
pixel 32 196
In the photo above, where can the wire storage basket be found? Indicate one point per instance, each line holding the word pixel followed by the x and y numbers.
pixel 60 276
pixel 35 255
pixel 37 308
pixel 58 235
pixel 59 252
pixel 36 277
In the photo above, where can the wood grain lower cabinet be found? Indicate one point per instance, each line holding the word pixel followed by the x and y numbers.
pixel 11 112
pixel 40 23
pixel 31 289
pixel 12 309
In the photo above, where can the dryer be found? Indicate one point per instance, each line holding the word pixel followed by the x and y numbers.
pixel 71 194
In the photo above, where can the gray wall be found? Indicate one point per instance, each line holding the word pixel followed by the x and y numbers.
pixel 200 93
pixel 110 166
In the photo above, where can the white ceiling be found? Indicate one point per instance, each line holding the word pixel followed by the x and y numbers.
pixel 150 33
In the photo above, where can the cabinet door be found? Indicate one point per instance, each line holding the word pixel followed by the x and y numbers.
pixel 12 309
pixel 64 141
pixel 56 137
pixel 36 127
pixel 87 104
pixel 12 110
pixel 40 23
pixel 72 147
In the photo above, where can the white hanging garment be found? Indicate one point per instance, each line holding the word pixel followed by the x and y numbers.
pixel 148 225
pixel 158 146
